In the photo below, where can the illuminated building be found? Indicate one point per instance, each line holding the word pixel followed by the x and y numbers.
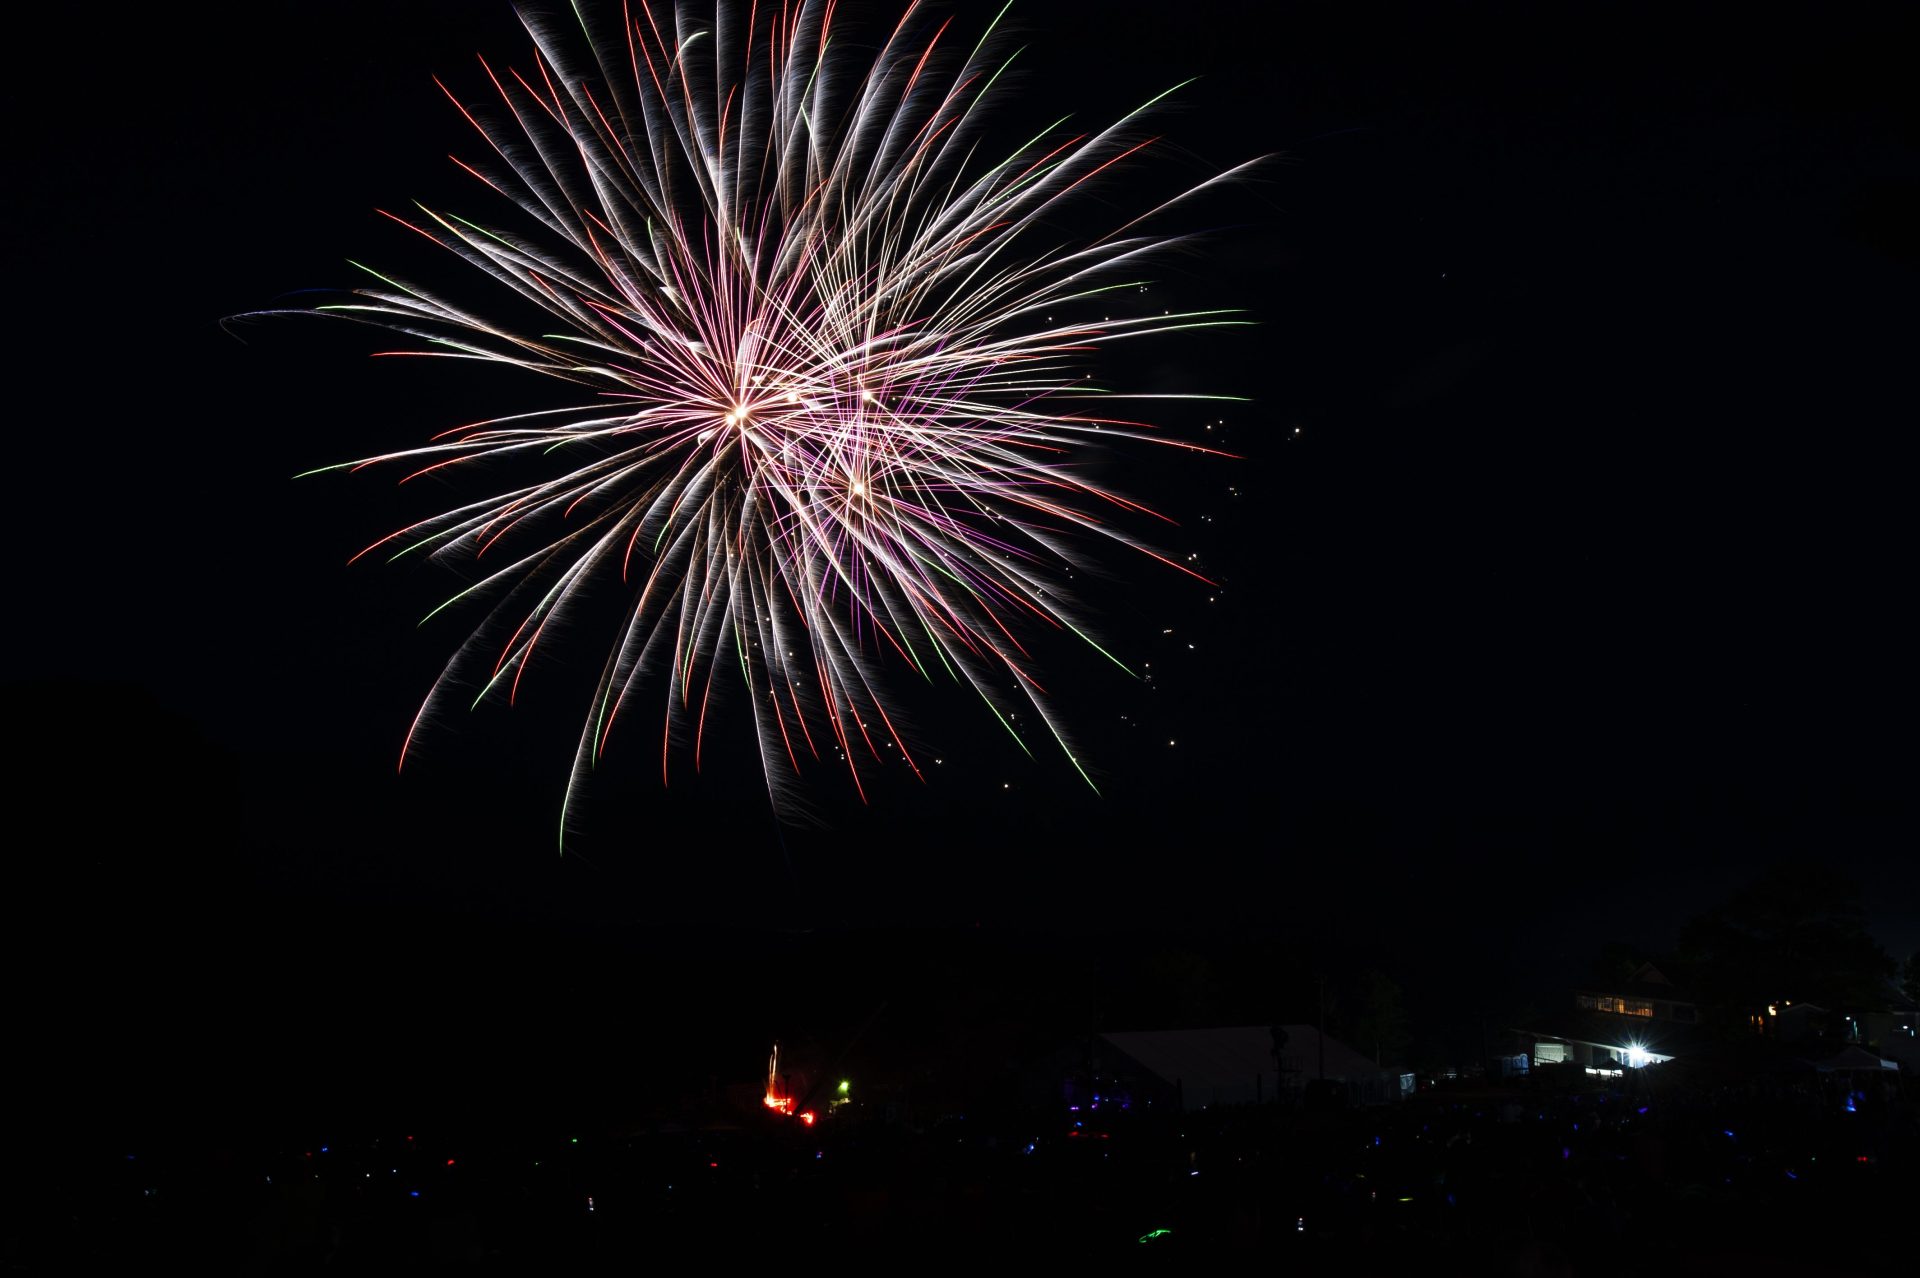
pixel 1640 1021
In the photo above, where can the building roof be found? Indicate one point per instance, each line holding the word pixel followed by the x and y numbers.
pixel 1646 982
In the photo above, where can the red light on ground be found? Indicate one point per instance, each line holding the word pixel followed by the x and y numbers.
pixel 713 1164
pixel 449 1162
pixel 807 1118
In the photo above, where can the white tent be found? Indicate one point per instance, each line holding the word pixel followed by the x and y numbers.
pixel 1856 1059
pixel 1236 1065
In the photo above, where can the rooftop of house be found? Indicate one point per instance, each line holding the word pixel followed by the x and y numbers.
pixel 1645 982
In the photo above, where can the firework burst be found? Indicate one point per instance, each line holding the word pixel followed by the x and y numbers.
pixel 823 420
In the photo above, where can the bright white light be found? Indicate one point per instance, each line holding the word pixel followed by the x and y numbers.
pixel 1636 1056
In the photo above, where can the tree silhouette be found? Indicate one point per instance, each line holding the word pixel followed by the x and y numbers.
pixel 1380 1023
pixel 1795 934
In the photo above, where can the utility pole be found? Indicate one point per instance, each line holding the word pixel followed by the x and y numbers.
pixel 1322 1035
pixel 1093 1032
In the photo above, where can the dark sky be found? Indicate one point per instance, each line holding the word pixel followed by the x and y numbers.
pixel 1574 599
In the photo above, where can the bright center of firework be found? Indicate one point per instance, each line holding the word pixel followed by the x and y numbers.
pixel 859 489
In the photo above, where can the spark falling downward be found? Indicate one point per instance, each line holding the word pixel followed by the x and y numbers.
pixel 826 419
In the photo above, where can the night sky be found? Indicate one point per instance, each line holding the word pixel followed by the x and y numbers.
pixel 1560 576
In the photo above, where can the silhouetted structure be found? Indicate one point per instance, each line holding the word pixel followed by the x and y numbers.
pixel 1238 1065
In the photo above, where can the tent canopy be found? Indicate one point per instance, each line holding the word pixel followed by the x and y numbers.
pixel 1855 1058
pixel 1220 1066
